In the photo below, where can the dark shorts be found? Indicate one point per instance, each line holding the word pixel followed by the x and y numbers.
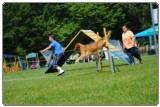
pixel 55 60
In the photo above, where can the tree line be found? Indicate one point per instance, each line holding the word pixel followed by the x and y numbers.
pixel 26 26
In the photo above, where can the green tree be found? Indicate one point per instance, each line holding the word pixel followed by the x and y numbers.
pixel 26 26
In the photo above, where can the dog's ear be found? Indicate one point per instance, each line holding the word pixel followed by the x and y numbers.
pixel 76 47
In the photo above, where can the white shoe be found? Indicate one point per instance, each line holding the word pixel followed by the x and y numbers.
pixel 60 72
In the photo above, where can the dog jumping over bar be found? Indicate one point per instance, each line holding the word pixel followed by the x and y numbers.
pixel 86 50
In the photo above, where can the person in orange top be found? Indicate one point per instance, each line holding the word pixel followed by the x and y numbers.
pixel 129 45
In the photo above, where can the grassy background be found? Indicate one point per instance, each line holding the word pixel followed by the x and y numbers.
pixel 83 85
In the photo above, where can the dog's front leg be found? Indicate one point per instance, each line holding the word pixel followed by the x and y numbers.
pixel 80 58
pixel 77 60
pixel 107 48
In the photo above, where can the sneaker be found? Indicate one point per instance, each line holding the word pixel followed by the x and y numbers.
pixel 140 61
pixel 132 63
pixel 60 73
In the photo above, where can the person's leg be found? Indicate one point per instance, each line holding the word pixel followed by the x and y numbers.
pixel 59 68
pixel 55 65
pixel 136 54
pixel 61 71
pixel 131 58
pixel 55 60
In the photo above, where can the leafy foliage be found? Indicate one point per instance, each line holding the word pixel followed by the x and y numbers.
pixel 26 26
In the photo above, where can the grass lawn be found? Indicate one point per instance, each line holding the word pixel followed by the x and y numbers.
pixel 83 85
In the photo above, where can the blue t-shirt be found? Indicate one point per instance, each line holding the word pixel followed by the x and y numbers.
pixel 56 47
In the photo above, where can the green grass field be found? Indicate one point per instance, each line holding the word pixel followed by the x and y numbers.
pixel 83 85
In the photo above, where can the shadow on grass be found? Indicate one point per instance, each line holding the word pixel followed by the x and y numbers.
pixel 94 67
pixel 75 69
pixel 122 65
pixel 81 74
pixel 117 65
pixel 81 69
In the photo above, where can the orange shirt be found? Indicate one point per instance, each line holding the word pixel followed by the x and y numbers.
pixel 128 39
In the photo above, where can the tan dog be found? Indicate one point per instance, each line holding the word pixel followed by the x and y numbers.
pixel 86 50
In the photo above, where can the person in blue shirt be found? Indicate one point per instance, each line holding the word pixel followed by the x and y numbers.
pixel 57 50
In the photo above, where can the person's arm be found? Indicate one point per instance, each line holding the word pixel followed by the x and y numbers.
pixel 63 48
pixel 123 46
pixel 47 48
pixel 132 38
pixel 135 43
pixel 123 42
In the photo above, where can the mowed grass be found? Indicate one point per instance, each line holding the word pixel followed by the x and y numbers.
pixel 83 85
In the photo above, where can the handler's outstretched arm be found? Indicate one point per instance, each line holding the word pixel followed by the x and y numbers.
pixel 47 48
